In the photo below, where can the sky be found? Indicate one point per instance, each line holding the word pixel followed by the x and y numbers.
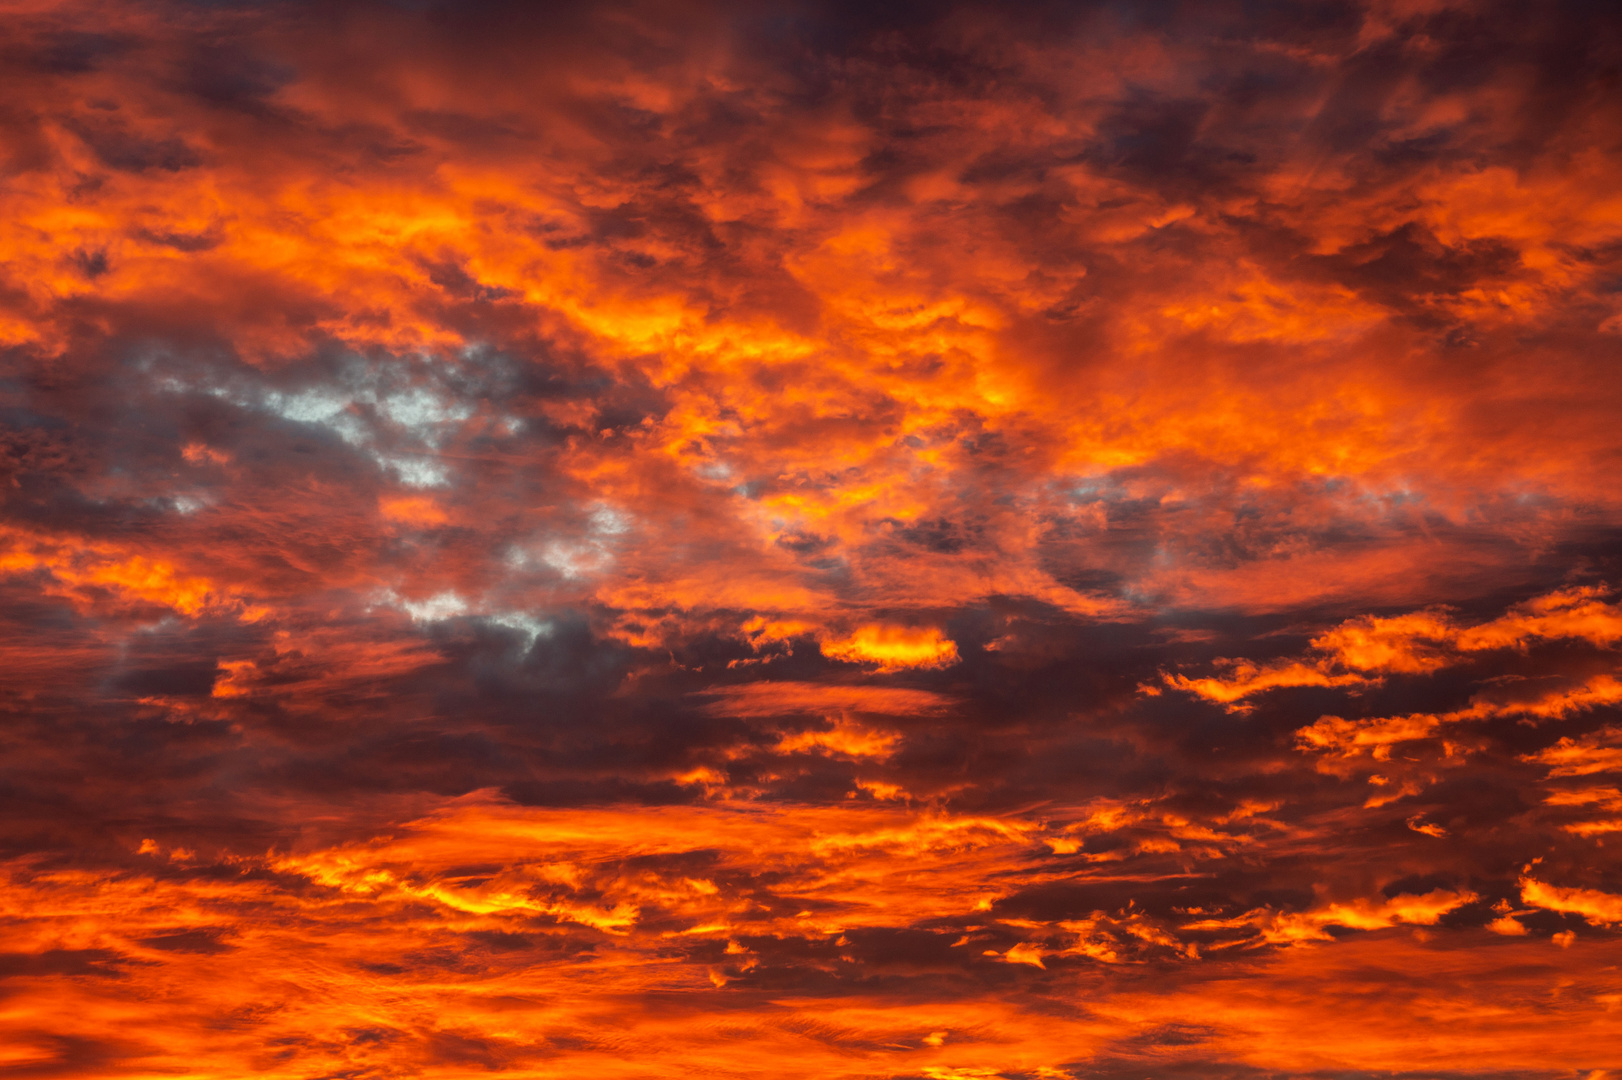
pixel 934 541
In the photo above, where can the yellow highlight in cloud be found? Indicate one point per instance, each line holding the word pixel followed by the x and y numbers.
pixel 894 648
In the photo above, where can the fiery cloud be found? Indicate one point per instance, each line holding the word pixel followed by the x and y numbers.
pixel 650 540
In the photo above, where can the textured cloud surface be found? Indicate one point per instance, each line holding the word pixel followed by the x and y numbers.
pixel 810 540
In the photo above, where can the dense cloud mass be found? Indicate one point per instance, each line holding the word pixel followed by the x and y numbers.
pixel 789 540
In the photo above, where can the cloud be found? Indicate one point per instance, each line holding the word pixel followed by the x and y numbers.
pixel 89 570
pixel 412 510
pixel 1245 679
pixel 1417 643
pixel 780 698
pixel 1597 752
pixel 845 738
pixel 1332 733
pixel 1313 925
pixel 785 539
pixel 1599 908
pixel 893 648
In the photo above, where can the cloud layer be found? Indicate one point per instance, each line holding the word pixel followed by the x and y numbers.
pixel 810 540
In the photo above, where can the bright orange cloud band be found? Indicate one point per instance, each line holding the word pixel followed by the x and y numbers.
pixel 949 541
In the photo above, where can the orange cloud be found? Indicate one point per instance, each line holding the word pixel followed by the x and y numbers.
pixel 779 698
pixel 893 648
pixel 83 570
pixel 1597 752
pixel 1406 643
pixel 1294 927
pixel 844 737
pixel 413 510
pixel 1379 734
pixel 1014 359
pixel 1599 908
pixel 1246 679
pixel 1415 644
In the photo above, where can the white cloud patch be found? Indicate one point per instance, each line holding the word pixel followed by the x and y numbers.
pixel 573 557
pixel 526 624
pixel 445 605
pixel 400 412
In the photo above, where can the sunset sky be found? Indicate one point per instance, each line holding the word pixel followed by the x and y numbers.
pixel 794 540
